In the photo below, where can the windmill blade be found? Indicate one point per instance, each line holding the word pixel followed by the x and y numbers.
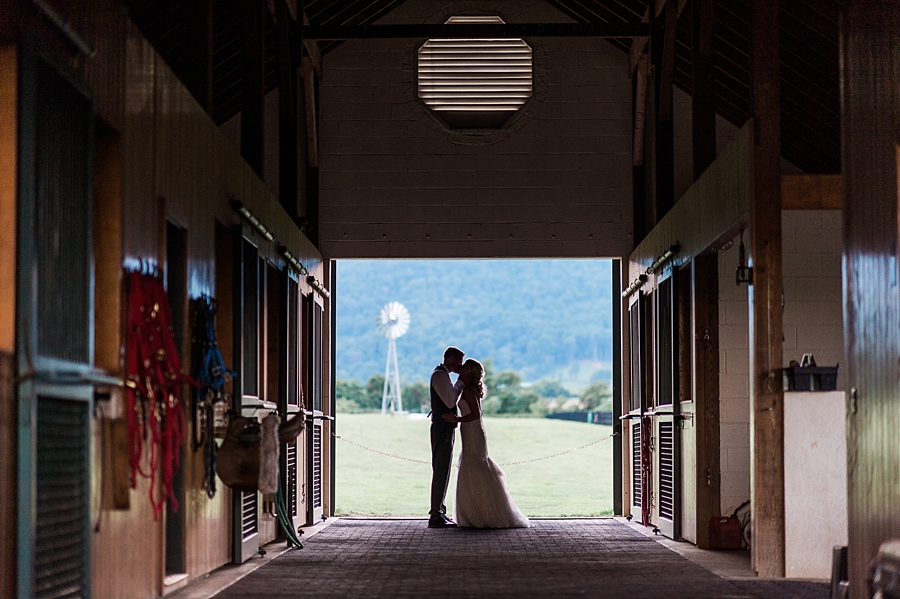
pixel 393 320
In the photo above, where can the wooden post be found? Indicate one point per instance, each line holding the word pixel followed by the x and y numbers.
pixel 312 151
pixel 766 395
pixel 198 41
pixel 662 55
pixel 252 85
pixel 705 328
pixel 638 172
pixel 287 111
pixel 705 287
pixel 703 80
pixel 617 380
pixel 870 119
pixel 309 98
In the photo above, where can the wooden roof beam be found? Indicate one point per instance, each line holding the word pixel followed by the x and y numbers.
pixel 639 43
pixel 480 30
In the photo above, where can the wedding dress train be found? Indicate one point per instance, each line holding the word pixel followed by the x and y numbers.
pixel 482 500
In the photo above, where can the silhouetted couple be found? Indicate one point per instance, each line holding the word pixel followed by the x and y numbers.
pixel 482 500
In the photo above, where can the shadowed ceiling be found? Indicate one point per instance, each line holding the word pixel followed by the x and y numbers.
pixel 810 105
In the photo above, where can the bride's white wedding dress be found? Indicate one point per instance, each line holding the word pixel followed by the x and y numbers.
pixel 482 500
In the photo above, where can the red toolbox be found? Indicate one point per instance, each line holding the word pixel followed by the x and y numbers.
pixel 724 532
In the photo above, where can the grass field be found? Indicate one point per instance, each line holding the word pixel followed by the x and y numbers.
pixel 574 484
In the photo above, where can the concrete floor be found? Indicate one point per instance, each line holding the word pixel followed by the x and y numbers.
pixel 556 558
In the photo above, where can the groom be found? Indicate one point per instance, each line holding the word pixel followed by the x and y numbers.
pixel 444 396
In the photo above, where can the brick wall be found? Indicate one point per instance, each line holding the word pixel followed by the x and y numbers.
pixel 396 183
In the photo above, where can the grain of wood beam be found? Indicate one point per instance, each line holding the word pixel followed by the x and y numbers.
pixel 766 332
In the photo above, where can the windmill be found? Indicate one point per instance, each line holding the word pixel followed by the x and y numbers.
pixel 393 321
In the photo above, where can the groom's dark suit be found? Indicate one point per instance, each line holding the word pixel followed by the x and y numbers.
pixel 442 434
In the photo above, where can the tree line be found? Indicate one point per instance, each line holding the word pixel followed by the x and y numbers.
pixel 506 394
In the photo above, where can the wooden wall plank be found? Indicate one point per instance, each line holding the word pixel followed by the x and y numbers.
pixel 107 231
pixel 710 212
pixel 8 193
pixel 175 164
pixel 870 117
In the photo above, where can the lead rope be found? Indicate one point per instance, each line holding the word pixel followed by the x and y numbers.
pixel 212 377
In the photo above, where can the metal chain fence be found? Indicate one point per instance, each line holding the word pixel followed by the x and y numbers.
pixel 546 457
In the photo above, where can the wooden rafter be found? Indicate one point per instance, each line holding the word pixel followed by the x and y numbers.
pixel 480 30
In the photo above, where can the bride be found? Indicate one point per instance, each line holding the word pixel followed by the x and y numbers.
pixel 482 500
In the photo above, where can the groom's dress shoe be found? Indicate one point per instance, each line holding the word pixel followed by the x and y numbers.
pixel 441 522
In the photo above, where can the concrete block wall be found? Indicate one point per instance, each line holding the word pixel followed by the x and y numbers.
pixel 812 323
pixel 813 308
pixel 396 183
pixel 734 384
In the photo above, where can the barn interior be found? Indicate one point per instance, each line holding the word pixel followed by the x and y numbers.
pixel 181 178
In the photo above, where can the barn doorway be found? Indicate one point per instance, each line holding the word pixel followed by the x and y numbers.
pixel 544 329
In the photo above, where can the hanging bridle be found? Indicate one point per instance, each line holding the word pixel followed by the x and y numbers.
pixel 154 382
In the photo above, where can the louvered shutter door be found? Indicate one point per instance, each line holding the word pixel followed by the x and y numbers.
pixel 54 317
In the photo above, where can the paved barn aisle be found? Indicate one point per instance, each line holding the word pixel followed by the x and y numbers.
pixel 556 558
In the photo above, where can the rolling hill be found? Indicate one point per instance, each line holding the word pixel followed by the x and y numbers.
pixel 543 318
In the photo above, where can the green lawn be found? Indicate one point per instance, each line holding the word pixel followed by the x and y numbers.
pixel 575 484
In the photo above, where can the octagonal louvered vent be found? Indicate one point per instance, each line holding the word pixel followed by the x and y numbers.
pixel 475 83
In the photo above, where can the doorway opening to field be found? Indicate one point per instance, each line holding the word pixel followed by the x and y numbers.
pixel 544 329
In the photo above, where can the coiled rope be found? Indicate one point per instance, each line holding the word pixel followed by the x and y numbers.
pixel 546 457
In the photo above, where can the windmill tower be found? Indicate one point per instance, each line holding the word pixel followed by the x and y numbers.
pixel 393 321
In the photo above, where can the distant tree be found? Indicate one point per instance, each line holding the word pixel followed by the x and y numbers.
pixel 505 394
pixel 598 396
pixel 524 401
pixel 374 392
pixel 415 395
pixel 551 389
pixel 350 391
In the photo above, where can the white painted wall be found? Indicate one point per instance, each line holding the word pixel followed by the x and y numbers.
pixel 815 481
pixel 394 183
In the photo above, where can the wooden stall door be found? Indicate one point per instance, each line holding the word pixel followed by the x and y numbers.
pixel 54 321
pixel 290 404
pixel 176 290
pixel 245 506
pixel 638 386
pixel 315 414
pixel 667 459
pixel 686 431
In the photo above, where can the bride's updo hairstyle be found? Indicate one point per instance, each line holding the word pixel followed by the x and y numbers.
pixel 475 369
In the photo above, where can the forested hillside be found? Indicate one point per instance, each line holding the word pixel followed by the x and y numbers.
pixel 543 318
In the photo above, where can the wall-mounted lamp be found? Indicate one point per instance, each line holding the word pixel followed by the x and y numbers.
pixel 292 261
pixel 635 285
pixel 744 273
pixel 663 258
pixel 254 222
pixel 320 289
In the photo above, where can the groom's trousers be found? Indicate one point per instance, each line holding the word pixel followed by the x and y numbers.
pixel 441 457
